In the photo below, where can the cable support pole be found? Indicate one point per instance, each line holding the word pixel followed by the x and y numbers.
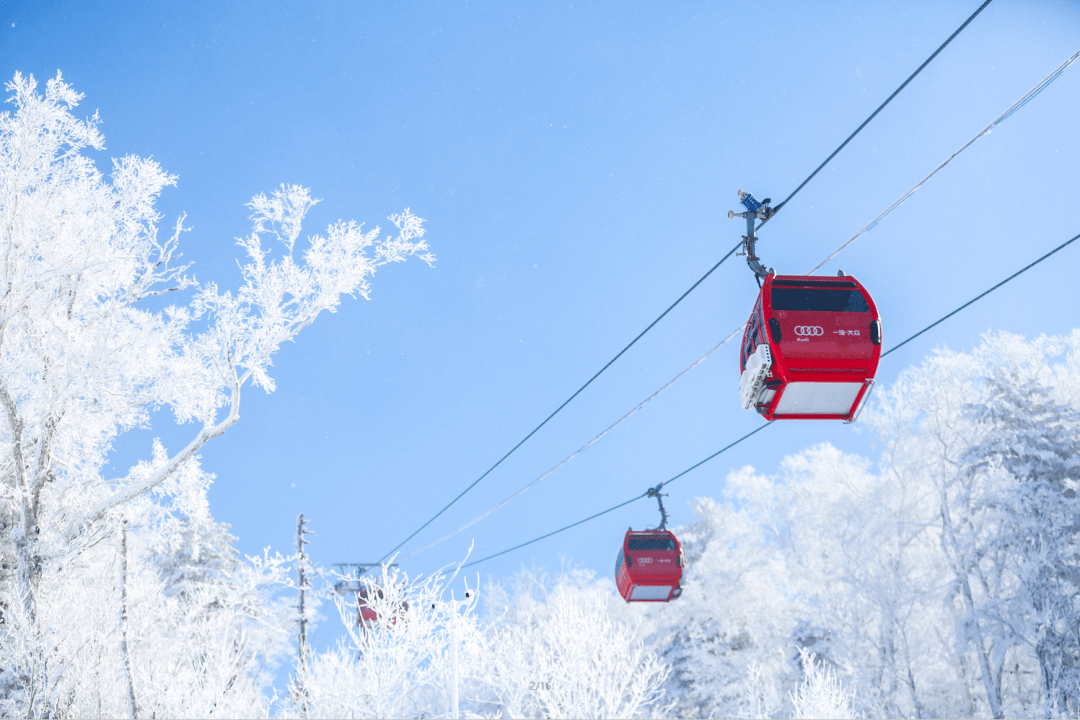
pixel 567 402
pixel 651 492
pixel 879 109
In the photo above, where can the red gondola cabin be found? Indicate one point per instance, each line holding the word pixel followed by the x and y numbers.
pixel 810 349
pixel 369 617
pixel 649 566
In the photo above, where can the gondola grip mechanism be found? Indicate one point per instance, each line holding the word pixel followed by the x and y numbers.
pixel 655 492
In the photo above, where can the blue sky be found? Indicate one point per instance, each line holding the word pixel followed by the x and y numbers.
pixel 575 162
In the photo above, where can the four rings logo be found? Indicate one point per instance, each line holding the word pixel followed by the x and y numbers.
pixel 644 560
pixel 812 330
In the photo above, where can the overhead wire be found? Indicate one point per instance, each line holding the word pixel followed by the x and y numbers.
pixel 866 228
pixel 567 402
pixel 762 427
pixel 692 288
pixel 1023 270
pixel 622 504
pixel 985 131
pixel 581 449
pixel 879 109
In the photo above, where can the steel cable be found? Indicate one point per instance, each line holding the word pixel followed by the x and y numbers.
pixel 880 108
pixel 1038 88
pixel 567 402
pixel 694 286
pixel 762 427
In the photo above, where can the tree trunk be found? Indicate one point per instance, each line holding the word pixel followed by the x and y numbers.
pixel 9 559
pixel 302 643
pixel 910 676
pixel 133 707
pixel 973 631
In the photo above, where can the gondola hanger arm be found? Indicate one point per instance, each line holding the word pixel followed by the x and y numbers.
pixel 754 210
pixel 655 492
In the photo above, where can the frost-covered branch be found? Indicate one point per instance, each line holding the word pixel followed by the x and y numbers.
pixel 166 470
pixel 278 299
pixel 83 359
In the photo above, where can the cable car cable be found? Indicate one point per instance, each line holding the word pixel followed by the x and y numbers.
pixel 554 532
pixel 979 297
pixel 866 228
pixel 762 427
pixel 1028 96
pixel 1012 109
pixel 581 449
pixel 634 499
pixel 800 187
pixel 1038 88
pixel 880 108
pixel 567 402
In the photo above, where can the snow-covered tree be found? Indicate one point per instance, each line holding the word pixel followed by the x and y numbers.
pixel 1029 461
pixel 558 650
pixel 547 649
pixel 732 615
pixel 991 436
pixel 821 695
pixel 830 559
pixel 424 648
pixel 85 358
pixel 943 582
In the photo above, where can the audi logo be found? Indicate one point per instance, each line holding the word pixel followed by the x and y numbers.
pixel 809 330
pixel 644 560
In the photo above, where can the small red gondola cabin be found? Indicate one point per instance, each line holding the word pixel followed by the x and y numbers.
pixel 811 348
pixel 649 567
pixel 369 617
